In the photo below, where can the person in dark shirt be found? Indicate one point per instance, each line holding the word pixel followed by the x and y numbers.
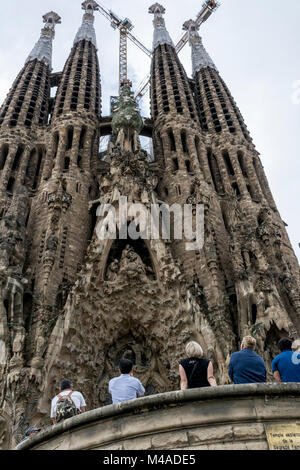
pixel 286 366
pixel 195 371
pixel 245 365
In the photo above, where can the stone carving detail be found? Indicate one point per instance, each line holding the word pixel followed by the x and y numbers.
pixel 127 122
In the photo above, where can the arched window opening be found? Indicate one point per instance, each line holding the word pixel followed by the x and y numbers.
pixel 197 145
pixel 93 145
pixel 188 166
pixel 161 144
pixel 254 314
pixel 6 306
pixel 93 219
pixel 236 189
pixel 260 177
pixel 242 164
pixel 27 219
pixel 253 260
pixel 228 162
pixel 17 158
pixel 37 171
pixel 233 309
pixel 4 154
pixel 56 142
pixel 30 165
pixel 10 185
pixel 67 163
pixel 215 172
pixel 82 138
pixel 184 142
pixel 27 310
pixel 172 141
pixel 225 218
pixel 250 190
pixel 70 138
pixel 175 164
pixel 62 295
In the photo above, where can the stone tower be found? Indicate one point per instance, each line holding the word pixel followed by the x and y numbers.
pixel 72 302
pixel 60 224
pixel 24 117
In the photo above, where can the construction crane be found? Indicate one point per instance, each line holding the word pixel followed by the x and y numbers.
pixel 208 7
pixel 125 27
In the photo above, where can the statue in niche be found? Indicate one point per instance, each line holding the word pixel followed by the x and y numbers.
pixel 18 343
pixel 131 264
pixel 200 194
pixel 63 292
pixel 267 230
pixel 129 354
pixel 113 270
pixel 13 228
pixel 267 298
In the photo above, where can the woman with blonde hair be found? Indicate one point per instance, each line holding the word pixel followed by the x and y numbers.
pixel 296 346
pixel 195 371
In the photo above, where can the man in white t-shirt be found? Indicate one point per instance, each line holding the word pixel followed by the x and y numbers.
pixel 77 398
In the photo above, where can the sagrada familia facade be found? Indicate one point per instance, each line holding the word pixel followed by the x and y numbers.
pixel 71 304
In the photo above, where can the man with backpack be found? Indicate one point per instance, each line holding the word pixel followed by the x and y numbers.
pixel 67 403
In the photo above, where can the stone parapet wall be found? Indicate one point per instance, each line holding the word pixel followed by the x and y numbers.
pixel 227 417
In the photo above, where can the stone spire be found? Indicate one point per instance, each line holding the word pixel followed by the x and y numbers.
pixel 42 51
pixel 200 58
pixel 87 30
pixel 161 35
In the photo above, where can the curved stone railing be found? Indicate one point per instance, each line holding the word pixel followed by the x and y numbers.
pixel 226 417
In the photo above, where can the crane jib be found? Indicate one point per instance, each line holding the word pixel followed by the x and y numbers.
pixel 125 26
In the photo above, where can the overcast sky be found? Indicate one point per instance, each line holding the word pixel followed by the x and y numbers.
pixel 254 43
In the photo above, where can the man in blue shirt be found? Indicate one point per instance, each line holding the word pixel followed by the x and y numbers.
pixel 286 366
pixel 246 366
pixel 126 387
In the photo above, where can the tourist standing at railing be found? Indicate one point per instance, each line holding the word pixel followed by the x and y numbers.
pixel 125 387
pixel 286 366
pixel 67 403
pixel 245 365
pixel 196 371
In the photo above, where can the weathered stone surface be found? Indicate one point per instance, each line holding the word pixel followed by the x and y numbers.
pixel 211 434
pixel 170 440
pixel 157 422
pixel 248 431
pixel 142 443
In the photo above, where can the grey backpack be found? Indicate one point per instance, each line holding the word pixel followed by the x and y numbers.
pixel 65 407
